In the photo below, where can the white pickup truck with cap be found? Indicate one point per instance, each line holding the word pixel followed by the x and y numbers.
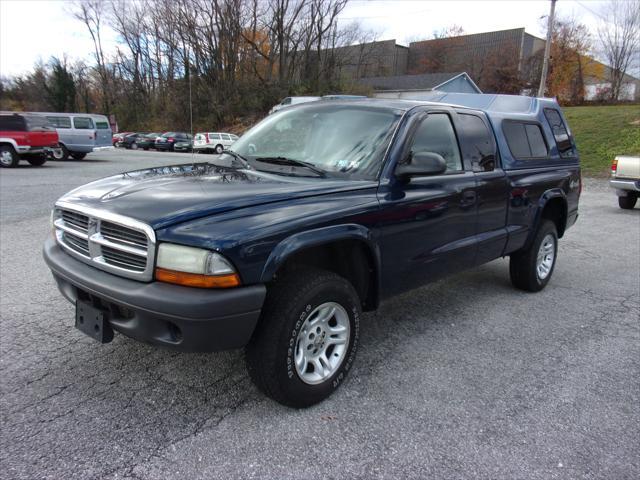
pixel 625 178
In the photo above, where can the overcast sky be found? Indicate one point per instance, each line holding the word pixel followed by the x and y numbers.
pixel 32 30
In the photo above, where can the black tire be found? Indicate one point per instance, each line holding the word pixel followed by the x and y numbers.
pixel 219 149
pixel 78 156
pixel 61 153
pixel 523 265
pixel 8 157
pixel 290 302
pixel 627 202
pixel 37 161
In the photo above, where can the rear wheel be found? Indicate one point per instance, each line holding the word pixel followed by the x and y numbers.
pixel 307 337
pixel 531 269
pixel 219 149
pixel 37 161
pixel 134 146
pixel 60 153
pixel 8 157
pixel 78 156
pixel 627 202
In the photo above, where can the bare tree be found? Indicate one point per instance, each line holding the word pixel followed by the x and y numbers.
pixel 90 12
pixel 619 36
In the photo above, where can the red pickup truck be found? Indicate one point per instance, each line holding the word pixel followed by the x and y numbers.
pixel 25 137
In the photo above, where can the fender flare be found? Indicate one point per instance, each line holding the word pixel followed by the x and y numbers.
pixel 544 199
pixel 316 237
pixel 10 141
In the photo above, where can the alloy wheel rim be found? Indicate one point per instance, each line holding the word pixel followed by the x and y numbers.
pixel 546 255
pixel 6 158
pixel 322 342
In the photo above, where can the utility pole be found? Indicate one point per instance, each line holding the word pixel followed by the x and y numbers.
pixel 547 49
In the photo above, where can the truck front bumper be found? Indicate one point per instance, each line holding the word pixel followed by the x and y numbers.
pixel 623 187
pixel 184 318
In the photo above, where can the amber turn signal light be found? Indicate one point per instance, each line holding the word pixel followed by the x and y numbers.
pixel 197 280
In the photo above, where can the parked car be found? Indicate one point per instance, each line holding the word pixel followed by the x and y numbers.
pixel 292 101
pixel 166 141
pixel 213 141
pixel 117 138
pixel 148 141
pixel 80 133
pixel 183 145
pixel 625 178
pixel 318 213
pixel 134 141
pixel 25 137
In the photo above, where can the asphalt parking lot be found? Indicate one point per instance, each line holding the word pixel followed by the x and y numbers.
pixel 464 378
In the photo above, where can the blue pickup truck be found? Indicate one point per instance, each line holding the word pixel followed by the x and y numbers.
pixel 319 213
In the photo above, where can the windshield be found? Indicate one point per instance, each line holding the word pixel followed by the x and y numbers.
pixel 343 140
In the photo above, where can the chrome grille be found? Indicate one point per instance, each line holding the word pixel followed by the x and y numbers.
pixel 114 243
pixel 80 245
pixel 76 220
pixel 123 260
pixel 126 236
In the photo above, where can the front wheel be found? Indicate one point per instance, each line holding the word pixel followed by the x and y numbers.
pixel 8 157
pixel 627 202
pixel 306 339
pixel 531 269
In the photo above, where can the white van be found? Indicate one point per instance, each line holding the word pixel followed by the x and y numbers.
pixel 80 133
pixel 213 141
pixel 293 101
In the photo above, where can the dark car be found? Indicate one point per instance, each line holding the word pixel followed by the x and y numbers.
pixel 148 140
pixel 185 145
pixel 319 213
pixel 168 140
pixel 132 141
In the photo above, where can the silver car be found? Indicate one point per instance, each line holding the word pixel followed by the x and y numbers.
pixel 80 133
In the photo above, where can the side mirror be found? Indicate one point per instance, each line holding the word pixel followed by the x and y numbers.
pixel 422 164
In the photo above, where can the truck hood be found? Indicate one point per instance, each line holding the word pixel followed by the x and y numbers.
pixel 164 196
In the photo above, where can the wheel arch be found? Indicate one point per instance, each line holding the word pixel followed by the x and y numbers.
pixel 9 142
pixel 348 250
pixel 551 206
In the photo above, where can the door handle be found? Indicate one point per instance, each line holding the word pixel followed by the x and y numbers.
pixel 468 198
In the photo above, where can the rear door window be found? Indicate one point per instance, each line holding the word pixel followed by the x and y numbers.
pixel 82 123
pixel 226 137
pixel 525 140
pixel 12 123
pixel 478 144
pixel 560 133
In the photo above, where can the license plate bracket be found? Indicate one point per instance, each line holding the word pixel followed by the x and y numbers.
pixel 92 321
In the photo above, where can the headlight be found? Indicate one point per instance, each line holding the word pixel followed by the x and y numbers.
pixel 194 267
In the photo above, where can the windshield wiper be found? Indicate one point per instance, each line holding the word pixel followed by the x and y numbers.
pixel 295 163
pixel 236 156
